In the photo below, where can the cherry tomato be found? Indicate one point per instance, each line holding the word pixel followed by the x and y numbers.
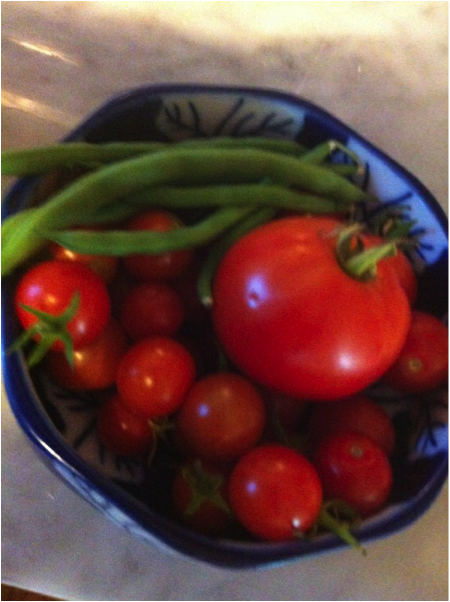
pixel 122 431
pixel 357 413
pixel 292 319
pixel 151 308
pixel 50 287
pixel 104 265
pixel 154 376
pixel 221 418
pixel 164 266
pixel 423 362
pixel 199 495
pixel 275 492
pixel 354 469
pixel 94 366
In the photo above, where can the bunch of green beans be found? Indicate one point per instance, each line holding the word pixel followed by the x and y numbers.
pixel 233 177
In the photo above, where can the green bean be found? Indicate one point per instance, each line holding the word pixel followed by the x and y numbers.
pixel 210 264
pixel 126 242
pixel 32 161
pixel 233 194
pixel 177 166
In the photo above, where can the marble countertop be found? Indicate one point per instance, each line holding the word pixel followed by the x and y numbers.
pixel 379 66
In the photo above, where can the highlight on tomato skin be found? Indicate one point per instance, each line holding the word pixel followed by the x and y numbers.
pixel 275 492
pixel 154 376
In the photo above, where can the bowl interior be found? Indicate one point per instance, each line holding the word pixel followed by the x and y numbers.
pixel 61 424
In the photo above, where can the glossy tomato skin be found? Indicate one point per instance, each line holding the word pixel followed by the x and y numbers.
pixel 354 469
pixel 357 413
pixel 222 417
pixel 154 376
pixel 151 309
pixel 122 431
pixel 422 364
pixel 292 319
pixel 50 287
pixel 164 266
pixel 275 492
pixel 94 366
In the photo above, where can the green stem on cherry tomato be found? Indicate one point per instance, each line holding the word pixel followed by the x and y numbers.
pixel 205 487
pixel 327 521
pixel 48 329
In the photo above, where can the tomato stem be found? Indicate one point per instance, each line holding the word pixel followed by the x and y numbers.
pixel 339 528
pixel 46 331
pixel 358 262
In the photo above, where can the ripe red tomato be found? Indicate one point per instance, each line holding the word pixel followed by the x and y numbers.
pixel 104 265
pixel 357 413
pixel 422 364
pixel 222 417
pixel 151 309
pixel 292 319
pixel 122 431
pixel 354 469
pixel 50 287
pixel 94 366
pixel 164 266
pixel 199 495
pixel 275 492
pixel 154 376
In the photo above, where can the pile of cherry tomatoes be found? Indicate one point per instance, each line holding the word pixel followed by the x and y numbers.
pixel 266 461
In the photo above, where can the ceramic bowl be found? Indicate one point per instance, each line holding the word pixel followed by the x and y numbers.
pixel 61 424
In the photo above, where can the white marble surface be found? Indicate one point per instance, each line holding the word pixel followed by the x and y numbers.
pixel 381 67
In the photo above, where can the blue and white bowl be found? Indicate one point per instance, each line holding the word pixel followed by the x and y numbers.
pixel 61 424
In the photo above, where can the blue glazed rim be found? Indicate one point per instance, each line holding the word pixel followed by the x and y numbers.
pixel 93 485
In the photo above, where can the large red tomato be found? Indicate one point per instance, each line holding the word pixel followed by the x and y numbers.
pixel 293 319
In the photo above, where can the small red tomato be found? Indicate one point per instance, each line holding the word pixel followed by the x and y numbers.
pixel 151 309
pixel 357 413
pixel 154 376
pixel 122 431
pixel 104 265
pixel 94 366
pixel 354 469
pixel 423 362
pixel 50 287
pixel 164 266
pixel 275 492
pixel 221 418
pixel 199 498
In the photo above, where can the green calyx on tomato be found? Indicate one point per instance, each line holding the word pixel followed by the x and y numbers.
pixel 356 260
pixel 46 331
pixel 205 486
